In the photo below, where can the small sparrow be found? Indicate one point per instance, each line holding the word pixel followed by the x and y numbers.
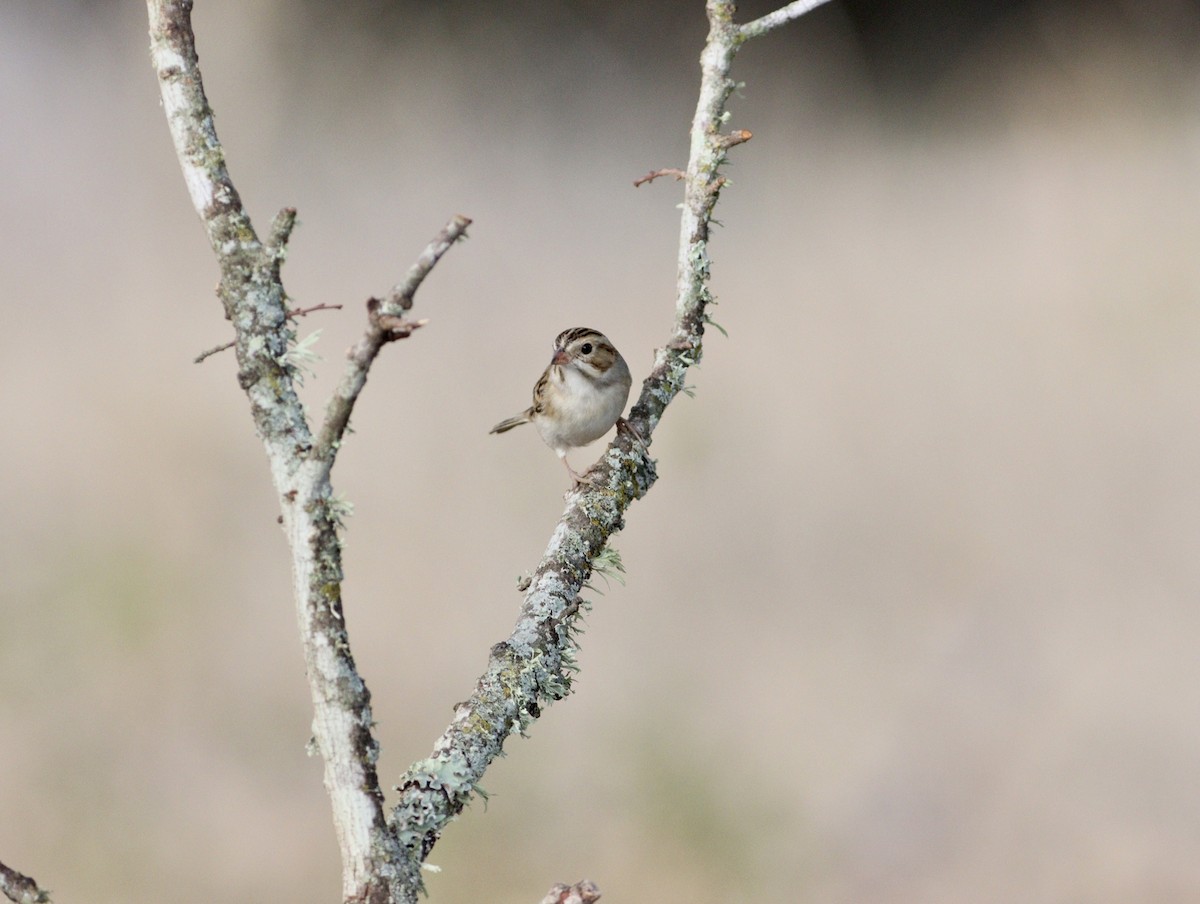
pixel 579 397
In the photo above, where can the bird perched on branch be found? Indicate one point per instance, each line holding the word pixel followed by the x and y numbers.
pixel 579 397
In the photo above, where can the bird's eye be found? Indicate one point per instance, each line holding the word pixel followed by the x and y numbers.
pixel 586 348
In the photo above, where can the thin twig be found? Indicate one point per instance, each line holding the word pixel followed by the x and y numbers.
pixel 21 889
pixel 302 312
pixel 199 359
pixel 385 323
pixel 402 293
pixel 654 174
pixel 781 16
pixel 292 315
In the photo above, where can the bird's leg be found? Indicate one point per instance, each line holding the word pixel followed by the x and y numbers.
pixel 577 480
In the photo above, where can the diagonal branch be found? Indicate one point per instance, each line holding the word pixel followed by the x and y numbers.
pixel 249 288
pixel 173 53
pixel 781 16
pixel 385 324
pixel 533 666
pixel 20 888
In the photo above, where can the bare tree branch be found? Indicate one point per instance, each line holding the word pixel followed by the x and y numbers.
pixel 781 16
pixel 21 889
pixel 173 52
pixel 385 324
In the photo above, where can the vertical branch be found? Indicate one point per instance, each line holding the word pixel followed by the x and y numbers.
pixel 249 288
pixel 702 187
pixel 255 303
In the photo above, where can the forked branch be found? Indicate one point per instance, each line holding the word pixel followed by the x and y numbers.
pixel 255 303
pixel 382 857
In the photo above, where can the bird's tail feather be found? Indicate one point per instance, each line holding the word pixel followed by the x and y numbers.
pixel 504 426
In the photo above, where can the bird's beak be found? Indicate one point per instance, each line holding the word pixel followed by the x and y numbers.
pixel 560 358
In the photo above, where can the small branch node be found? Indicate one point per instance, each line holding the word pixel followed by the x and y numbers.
pixel 394 326
pixel 736 137
pixel 281 230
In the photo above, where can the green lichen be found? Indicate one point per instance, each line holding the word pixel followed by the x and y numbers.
pixel 299 358
pixel 708 320
pixel 607 563
pixel 339 508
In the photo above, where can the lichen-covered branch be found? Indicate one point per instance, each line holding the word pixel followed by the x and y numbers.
pixel 533 666
pixel 255 303
pixel 173 51
pixel 20 888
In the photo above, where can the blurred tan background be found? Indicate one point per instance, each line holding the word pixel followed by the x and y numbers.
pixel 912 614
